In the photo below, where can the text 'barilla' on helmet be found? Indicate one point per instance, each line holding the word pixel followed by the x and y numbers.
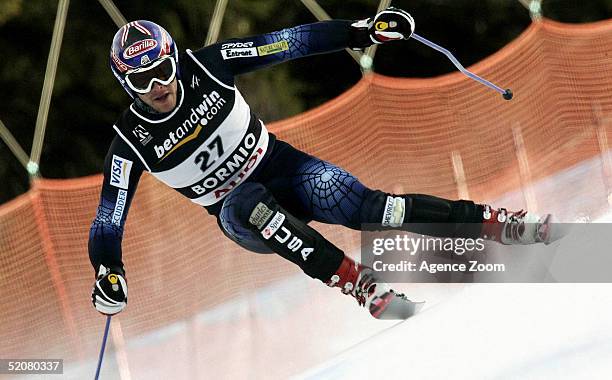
pixel 141 54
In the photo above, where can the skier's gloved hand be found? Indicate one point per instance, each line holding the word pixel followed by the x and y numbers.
pixel 109 293
pixel 391 24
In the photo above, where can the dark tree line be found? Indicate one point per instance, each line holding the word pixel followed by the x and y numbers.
pixel 87 99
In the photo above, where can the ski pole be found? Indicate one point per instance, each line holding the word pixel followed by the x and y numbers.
pixel 108 319
pixel 507 94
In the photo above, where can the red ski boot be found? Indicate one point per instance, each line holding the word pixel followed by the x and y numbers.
pixel 380 300
pixel 520 227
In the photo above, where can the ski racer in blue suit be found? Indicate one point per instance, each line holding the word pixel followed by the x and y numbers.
pixel 190 127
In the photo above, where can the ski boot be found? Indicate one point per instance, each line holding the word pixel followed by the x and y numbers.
pixel 520 227
pixel 377 297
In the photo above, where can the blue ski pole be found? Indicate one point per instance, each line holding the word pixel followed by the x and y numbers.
pixel 108 319
pixel 507 94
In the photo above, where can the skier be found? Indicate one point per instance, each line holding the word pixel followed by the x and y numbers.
pixel 190 127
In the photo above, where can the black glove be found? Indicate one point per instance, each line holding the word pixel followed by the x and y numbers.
pixel 109 293
pixel 392 24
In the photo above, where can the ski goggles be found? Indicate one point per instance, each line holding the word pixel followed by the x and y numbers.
pixel 162 71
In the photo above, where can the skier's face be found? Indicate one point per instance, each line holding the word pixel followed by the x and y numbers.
pixel 161 98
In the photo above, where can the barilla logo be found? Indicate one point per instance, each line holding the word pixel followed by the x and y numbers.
pixel 120 172
pixel 139 47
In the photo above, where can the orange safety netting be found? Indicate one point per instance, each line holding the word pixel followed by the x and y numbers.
pixel 448 136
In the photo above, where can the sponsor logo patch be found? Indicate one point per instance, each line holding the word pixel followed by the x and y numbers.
pixel 273 226
pixel 234 45
pixel 142 134
pixel 260 215
pixel 139 47
pixel 119 207
pixel 274 48
pixel 199 117
pixel 239 53
pixel 381 25
pixel 195 82
pixel 251 162
pixel 120 172
pixel 395 210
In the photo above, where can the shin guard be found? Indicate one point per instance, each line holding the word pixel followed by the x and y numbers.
pixel 295 240
pixel 423 214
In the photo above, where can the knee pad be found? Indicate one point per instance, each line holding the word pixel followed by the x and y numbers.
pixel 233 217
pixel 242 200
